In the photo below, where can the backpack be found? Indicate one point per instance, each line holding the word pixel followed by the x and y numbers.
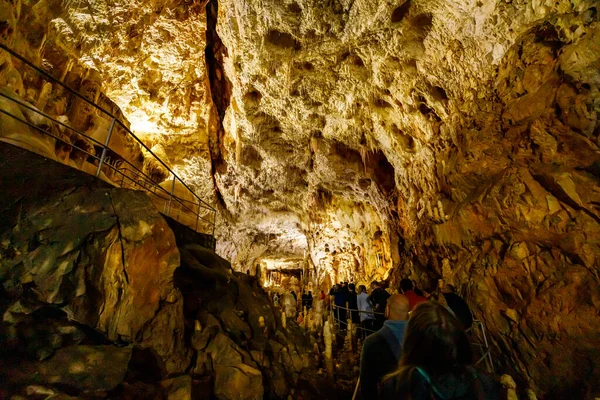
pixel 436 395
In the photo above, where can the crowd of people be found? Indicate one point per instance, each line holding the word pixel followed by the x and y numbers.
pixel 415 343
pixel 421 350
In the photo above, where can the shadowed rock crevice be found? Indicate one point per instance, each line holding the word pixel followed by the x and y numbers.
pixel 365 140
pixel 184 322
pixel 401 11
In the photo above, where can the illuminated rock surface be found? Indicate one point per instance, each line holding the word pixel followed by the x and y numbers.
pixel 371 139
pixel 98 300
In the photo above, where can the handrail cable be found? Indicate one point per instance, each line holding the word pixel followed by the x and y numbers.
pixel 92 155
pixel 75 93
pixel 476 323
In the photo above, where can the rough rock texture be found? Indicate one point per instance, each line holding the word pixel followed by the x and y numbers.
pixel 100 299
pixel 454 139
pixel 485 115
pixel 100 257
pixel 111 54
pixel 249 359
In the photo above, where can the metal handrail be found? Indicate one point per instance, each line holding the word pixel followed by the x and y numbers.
pixel 151 182
pixel 487 356
pixel 116 170
pixel 358 327
pixel 106 148
pixel 358 311
pixel 108 113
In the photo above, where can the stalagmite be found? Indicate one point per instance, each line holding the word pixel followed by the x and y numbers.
pixel 440 207
pixel 318 314
pixel 429 210
pixel 349 336
pixel 289 304
pixel 436 214
pixel 510 386
pixel 44 95
pixel 328 341
pixel 283 319
pixel 305 319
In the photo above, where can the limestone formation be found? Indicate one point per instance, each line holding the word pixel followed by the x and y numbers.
pixel 353 141
pixel 328 340
pixel 289 304
pixel 102 299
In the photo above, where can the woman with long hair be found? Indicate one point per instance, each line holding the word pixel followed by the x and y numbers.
pixel 436 362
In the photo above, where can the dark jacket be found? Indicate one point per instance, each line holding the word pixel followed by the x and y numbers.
pixel 460 308
pixel 353 305
pixel 340 297
pixel 471 384
pixel 378 299
pixel 380 356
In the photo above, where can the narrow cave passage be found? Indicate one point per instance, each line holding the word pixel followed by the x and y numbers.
pixel 221 199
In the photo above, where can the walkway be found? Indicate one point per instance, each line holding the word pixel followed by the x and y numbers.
pixel 476 332
pixel 105 148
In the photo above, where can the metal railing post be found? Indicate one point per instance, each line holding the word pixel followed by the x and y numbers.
pixel 197 216
pixel 487 348
pixel 110 131
pixel 214 222
pixel 171 197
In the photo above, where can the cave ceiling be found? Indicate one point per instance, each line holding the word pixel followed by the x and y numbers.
pixel 340 132
pixel 365 139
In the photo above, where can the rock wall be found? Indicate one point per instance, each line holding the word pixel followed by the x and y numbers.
pixel 99 298
pixel 375 139
pixel 486 116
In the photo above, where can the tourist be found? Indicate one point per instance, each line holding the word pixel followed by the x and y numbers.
pixel 331 298
pixel 333 289
pixel 365 310
pixel 436 361
pixel 382 350
pixel 378 300
pixel 309 300
pixel 406 288
pixel 458 306
pixel 322 297
pixel 304 300
pixel 339 300
pixel 352 303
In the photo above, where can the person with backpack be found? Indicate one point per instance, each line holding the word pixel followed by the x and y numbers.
pixel 381 351
pixel 436 362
